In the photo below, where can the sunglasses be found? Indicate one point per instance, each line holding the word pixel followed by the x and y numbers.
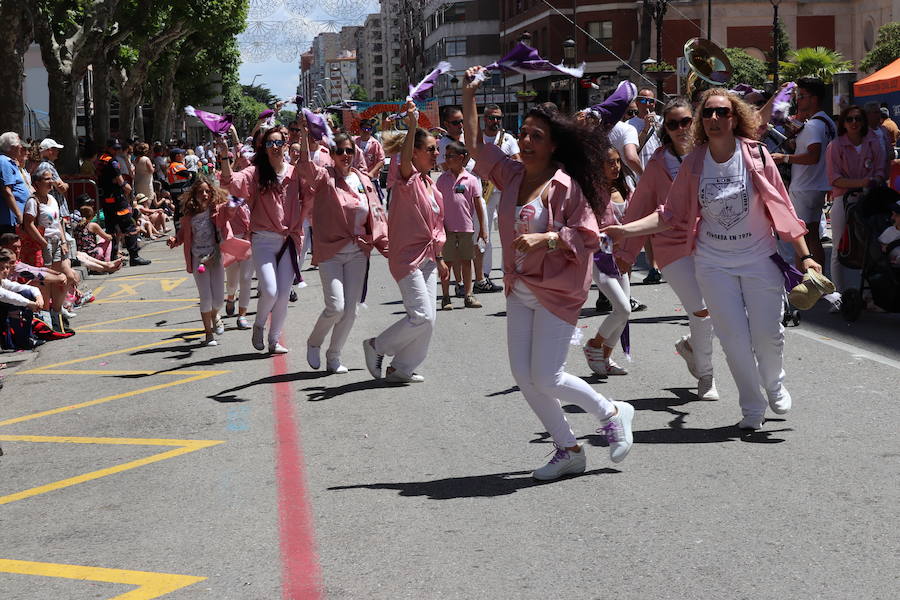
pixel 723 112
pixel 645 100
pixel 456 122
pixel 852 119
pixel 295 129
pixel 366 128
pixel 631 113
pixel 342 151
pixel 492 118
pixel 274 143
pixel 449 156
pixel 673 125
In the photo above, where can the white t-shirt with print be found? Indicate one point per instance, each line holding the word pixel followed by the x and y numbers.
pixel 45 215
pixel 734 228
pixel 811 178
pixel 652 142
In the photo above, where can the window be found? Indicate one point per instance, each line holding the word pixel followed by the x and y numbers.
pixel 455 46
pixel 379 71
pixel 602 30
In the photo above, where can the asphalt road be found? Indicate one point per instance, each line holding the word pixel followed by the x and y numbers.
pixel 136 461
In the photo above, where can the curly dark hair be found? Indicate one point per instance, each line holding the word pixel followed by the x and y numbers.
pixel 580 150
pixel 842 120
pixel 264 170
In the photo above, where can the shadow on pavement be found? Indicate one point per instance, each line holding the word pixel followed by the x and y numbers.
pixel 215 360
pixel 229 396
pixel 474 486
pixel 509 390
pixel 321 392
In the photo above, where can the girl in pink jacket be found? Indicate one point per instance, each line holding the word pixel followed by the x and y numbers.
pixel 349 223
pixel 272 190
pixel 238 275
pixel 549 235
pixel 727 199
pixel 674 258
pixel 416 232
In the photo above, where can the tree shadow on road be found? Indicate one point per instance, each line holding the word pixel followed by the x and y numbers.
pixel 473 486
pixel 230 396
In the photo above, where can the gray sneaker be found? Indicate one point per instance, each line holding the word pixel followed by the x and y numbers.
pixel 617 430
pixel 706 388
pixel 683 347
pixel 373 359
pixel 242 323
pixel 564 462
pixel 259 333
pixel 396 376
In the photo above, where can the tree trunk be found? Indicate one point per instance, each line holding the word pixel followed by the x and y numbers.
pixel 163 93
pixel 17 35
pixel 126 115
pixel 138 115
pixel 101 99
pixel 62 119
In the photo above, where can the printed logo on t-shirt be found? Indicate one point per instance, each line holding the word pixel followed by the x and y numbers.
pixel 523 225
pixel 726 199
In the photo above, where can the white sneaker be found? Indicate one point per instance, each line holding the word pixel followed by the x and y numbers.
pixel 563 462
pixel 68 313
pixel 617 430
pixel 258 334
pixel 335 367
pixel 396 376
pixel 373 359
pixel 278 349
pixel 751 423
pixel 706 388
pixel 683 347
pixel 613 369
pixel 780 403
pixel 595 360
pixel 210 340
pixel 220 326
pixel 312 356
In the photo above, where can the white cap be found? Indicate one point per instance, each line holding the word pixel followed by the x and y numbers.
pixel 48 143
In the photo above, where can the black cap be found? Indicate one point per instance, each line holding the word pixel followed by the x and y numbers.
pixel 113 143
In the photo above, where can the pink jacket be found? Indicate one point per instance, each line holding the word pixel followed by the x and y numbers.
pixel 279 209
pixel 415 231
pixel 373 153
pixel 238 216
pixel 332 200
pixel 649 196
pixel 845 162
pixel 682 208
pixel 185 236
pixel 560 279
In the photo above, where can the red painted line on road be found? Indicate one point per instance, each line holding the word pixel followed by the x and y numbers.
pixel 300 574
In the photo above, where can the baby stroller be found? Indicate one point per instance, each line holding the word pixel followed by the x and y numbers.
pixel 868 214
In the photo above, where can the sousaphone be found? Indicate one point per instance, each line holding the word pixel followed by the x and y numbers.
pixel 707 62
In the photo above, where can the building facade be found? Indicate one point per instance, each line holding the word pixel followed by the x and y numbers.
pixel 394 78
pixel 371 58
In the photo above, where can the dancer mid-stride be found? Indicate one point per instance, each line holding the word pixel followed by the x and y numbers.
pixel 549 234
pixel 416 232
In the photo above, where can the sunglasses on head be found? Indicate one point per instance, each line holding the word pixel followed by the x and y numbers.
pixel 723 112
pixel 456 122
pixel 631 113
pixel 342 151
pixel 673 124
pixel 854 119
pixel 274 143
pixel 492 118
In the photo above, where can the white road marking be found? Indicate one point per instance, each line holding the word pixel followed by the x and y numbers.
pixel 856 351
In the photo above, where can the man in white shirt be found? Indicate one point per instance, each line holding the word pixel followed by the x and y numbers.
pixel 452 119
pixel 646 123
pixel 625 139
pixel 809 179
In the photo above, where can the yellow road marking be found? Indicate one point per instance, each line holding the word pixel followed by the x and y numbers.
pixel 126 289
pixel 55 411
pixel 150 314
pixel 151 585
pixel 95 356
pixel 183 447
pixel 170 284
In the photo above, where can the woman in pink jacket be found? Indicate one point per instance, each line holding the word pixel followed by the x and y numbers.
pixel 674 258
pixel 349 223
pixel 855 160
pixel 549 235
pixel 727 199
pixel 416 232
pixel 238 275
pixel 272 190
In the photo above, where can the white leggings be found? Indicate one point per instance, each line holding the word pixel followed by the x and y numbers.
pixel 681 275
pixel 343 277
pixel 307 243
pixel 239 274
pixel 618 290
pixel 274 281
pixel 210 285
pixel 746 305
pixel 407 340
pixel 538 343
pixel 490 213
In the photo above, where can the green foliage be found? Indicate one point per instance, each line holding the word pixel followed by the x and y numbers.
pixel 659 67
pixel 782 41
pixel 886 49
pixel 813 62
pixel 259 93
pixel 747 69
pixel 287 116
pixel 358 92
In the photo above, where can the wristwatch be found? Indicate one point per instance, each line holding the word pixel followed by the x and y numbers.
pixel 805 256
pixel 552 241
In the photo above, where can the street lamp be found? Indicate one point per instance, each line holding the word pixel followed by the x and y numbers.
pixel 569 54
pixel 775 57
pixel 254 78
pixel 454 82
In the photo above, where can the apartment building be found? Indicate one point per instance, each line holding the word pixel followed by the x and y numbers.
pixel 394 76
pixel 371 57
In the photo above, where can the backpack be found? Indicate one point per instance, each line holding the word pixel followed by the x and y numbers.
pixel 15 328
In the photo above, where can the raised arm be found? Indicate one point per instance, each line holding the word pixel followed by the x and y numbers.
pixel 406 153
pixel 471 127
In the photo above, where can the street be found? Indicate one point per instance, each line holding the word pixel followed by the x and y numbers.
pixel 138 465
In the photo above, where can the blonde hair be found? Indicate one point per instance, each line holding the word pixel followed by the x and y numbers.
pixel 393 141
pixel 190 204
pixel 746 119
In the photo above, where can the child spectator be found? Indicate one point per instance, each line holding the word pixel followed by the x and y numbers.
pixel 16 334
pixel 892 235
pixel 462 199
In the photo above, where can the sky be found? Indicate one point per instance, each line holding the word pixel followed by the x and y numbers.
pixel 282 77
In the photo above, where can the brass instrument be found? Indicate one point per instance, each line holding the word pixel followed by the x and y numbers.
pixel 708 63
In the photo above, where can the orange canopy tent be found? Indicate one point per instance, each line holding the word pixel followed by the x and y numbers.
pixel 884 81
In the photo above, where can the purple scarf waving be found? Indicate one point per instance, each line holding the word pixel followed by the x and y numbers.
pixel 525 59
pixel 421 89
pixel 219 124
pixel 613 108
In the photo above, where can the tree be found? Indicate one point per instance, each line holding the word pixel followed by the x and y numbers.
pixel 747 69
pixel 17 35
pixel 782 42
pixel 260 93
pixel 813 62
pixel 886 49
pixel 358 92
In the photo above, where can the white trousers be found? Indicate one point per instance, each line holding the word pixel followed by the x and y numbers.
pixel 407 340
pixel 307 243
pixel 274 281
pixel 239 275
pixel 343 277
pixel 618 290
pixel 840 275
pixel 538 343
pixel 746 305
pixel 682 277
pixel 210 285
pixel 490 215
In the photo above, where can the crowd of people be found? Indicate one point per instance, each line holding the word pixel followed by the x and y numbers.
pixel 698 186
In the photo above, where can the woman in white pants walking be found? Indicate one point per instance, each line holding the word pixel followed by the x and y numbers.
pixel 349 223
pixel 238 275
pixel 549 234
pixel 416 231
pixel 674 257
pixel 728 197
pixel 272 190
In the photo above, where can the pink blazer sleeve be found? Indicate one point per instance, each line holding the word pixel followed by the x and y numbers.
pixel 491 163
pixel 312 176
pixel 646 198
pixel 579 229
pixel 239 182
